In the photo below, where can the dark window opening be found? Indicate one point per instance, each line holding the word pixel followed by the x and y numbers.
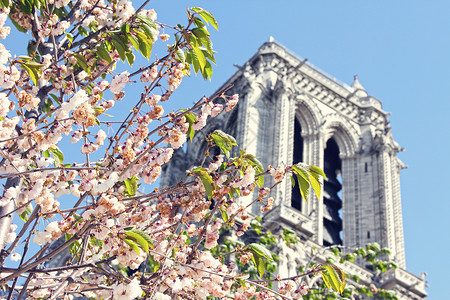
pixel 368 234
pixel 365 167
pixel 296 198
pixel 332 222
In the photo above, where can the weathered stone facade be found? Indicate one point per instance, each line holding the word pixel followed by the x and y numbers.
pixel 290 111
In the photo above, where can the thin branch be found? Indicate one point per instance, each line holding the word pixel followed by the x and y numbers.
pixel 45 258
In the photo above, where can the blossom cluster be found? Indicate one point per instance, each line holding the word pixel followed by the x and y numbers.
pixel 124 243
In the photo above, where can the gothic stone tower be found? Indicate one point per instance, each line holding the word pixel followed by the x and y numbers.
pixel 291 112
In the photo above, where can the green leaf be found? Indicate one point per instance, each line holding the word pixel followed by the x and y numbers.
pixel 200 56
pixel 254 162
pixel 145 236
pixel 46 153
pixel 69 37
pixel 317 171
pixel 47 105
pixel 73 247
pixel 311 174
pixel 153 264
pixel 133 41
pixel 138 239
pixel 67 236
pixel 261 250
pixel 180 54
pixel 303 185
pixel 18 27
pixel 188 57
pixel 130 57
pixel 119 46
pixel 292 180
pixel 257 166
pixel 125 28
pixel 26 214
pixel 26 6
pixel 198 22
pixel 131 186
pixel 132 245
pixel 223 212
pixel 55 98
pixel 260 264
pixel 147 30
pixel 303 180
pixel 334 278
pixel 34 64
pixel 145 44
pixel 191 118
pixel 203 36
pixel 301 170
pixel 58 156
pixel 208 55
pixel 224 141
pixel 315 183
pixel 206 180
pixel 23 58
pixel 82 62
pixel 83 31
pixel 32 72
pixel 103 53
pixel 4 3
pixel 194 59
pixel 146 20
pixel 207 71
pixel 207 16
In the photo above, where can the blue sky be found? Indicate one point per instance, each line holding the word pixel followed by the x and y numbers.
pixel 400 51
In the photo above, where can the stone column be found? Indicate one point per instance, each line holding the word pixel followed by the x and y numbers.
pixel 313 154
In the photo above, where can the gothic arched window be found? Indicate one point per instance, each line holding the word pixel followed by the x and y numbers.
pixel 332 222
pixel 296 198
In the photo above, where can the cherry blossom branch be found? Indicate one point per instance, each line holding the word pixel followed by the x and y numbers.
pixel 222 275
pixel 291 278
pixel 25 251
pixel 203 233
pixel 43 259
pixel 5 253
pixel 9 175
pixel 7 214
pixel 64 268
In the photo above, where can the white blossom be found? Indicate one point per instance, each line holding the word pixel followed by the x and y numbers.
pixel 119 82
pixel 161 296
pixel 128 291
pixel 79 98
pixel 15 256
pixel 106 185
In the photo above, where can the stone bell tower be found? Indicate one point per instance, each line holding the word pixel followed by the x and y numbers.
pixel 289 112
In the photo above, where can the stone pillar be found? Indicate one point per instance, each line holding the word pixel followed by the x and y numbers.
pixel 399 240
pixel 282 133
pixel 351 204
pixel 313 152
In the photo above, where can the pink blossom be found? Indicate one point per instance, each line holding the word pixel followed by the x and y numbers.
pixel 277 173
pixel 164 37
pixel 232 102
pixel 217 109
pixel 119 82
